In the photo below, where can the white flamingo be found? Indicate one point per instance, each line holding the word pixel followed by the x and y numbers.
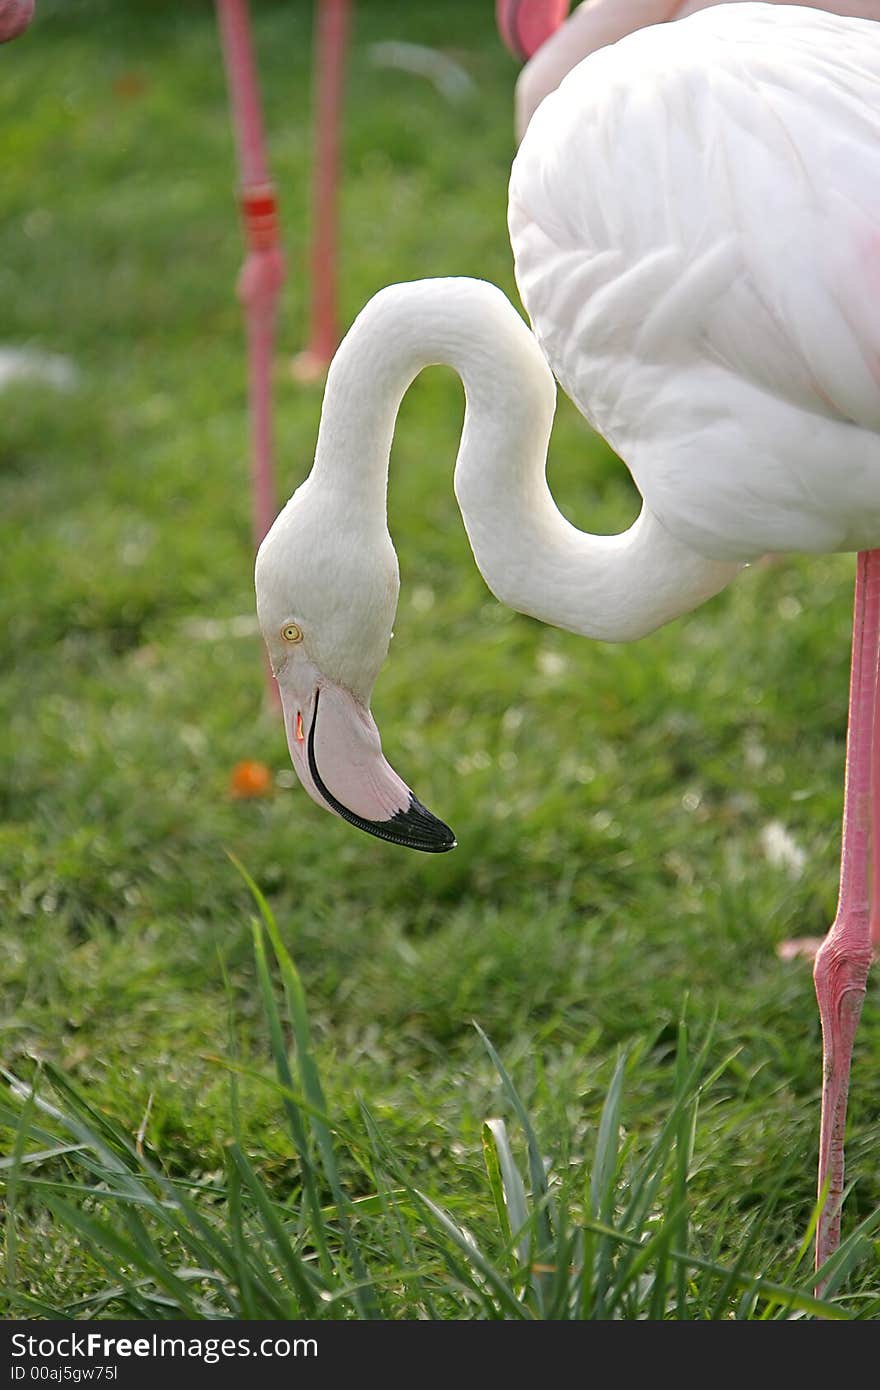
pixel 695 221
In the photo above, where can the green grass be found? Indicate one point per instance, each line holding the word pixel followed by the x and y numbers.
pixel 614 1241
pixel 610 802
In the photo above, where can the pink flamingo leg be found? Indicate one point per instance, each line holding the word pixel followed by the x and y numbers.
pixel 332 19
pixel 262 274
pixel 843 960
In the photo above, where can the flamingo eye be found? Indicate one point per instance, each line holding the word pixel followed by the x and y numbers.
pixel 291 633
pixel 298 730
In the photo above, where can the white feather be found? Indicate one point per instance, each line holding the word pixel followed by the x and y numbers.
pixel 695 220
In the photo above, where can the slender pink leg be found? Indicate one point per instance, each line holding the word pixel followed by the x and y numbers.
pixel 874 891
pixel 331 35
pixel 842 962
pixel 262 274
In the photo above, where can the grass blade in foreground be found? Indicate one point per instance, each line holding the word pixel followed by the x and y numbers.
pixel 311 1086
pixel 614 1242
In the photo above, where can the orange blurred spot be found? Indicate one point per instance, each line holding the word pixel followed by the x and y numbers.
pixel 130 85
pixel 250 778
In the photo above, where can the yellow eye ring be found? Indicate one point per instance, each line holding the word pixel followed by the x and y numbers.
pixel 291 633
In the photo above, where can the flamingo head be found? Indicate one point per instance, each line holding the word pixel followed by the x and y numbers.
pixel 326 608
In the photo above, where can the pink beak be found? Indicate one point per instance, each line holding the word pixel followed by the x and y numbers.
pixel 337 755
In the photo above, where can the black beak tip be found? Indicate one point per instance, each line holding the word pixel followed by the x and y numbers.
pixel 419 828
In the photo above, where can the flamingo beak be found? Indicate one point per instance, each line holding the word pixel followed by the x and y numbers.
pixel 337 755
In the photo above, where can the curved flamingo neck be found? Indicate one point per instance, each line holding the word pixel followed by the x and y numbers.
pixel 612 587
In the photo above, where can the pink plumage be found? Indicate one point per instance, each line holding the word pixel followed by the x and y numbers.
pixel 525 24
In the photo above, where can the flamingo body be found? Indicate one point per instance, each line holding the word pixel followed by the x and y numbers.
pixel 695 220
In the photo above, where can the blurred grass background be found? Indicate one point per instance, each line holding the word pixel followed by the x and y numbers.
pixel 619 810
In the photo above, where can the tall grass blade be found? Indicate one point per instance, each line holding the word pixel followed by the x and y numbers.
pixel 597 1254
pixel 507 1188
pixel 489 1277
pixel 102 1239
pixel 684 1142
pixel 295 1121
pixel 537 1174
pixel 16 1162
pixel 313 1090
pixel 392 1208
pixel 295 1269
